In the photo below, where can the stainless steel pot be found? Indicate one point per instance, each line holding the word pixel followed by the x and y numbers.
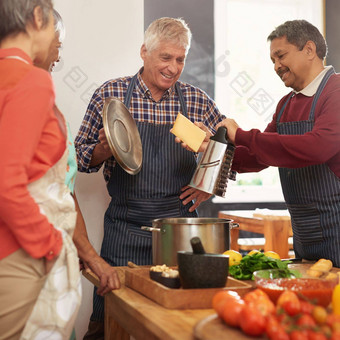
pixel 170 235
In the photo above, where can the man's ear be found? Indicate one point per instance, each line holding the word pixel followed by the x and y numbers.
pixel 143 51
pixel 38 21
pixel 310 48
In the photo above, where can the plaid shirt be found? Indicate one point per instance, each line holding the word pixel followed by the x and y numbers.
pixel 143 108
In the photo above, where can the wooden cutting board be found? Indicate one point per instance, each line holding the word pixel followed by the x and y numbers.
pixel 212 328
pixel 138 279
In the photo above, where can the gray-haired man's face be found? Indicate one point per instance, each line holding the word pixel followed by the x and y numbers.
pixel 163 65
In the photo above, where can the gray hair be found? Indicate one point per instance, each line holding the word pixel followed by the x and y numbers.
pixel 59 26
pixel 298 32
pixel 16 14
pixel 167 29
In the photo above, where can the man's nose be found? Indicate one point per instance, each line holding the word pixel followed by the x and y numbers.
pixel 277 65
pixel 172 66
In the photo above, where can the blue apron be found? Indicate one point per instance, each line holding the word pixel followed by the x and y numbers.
pixel 152 193
pixel 312 195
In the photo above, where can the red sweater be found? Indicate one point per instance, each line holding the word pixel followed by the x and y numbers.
pixel 255 150
pixel 31 142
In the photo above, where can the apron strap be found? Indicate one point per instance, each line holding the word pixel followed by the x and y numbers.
pixel 322 85
pixel 181 100
pixel 283 108
pixel 129 91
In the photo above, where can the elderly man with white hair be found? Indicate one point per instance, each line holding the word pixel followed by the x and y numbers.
pixel 154 97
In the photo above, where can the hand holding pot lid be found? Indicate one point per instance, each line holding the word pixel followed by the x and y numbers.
pixel 122 135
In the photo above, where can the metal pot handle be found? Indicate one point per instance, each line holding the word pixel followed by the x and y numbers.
pixel 233 225
pixel 150 228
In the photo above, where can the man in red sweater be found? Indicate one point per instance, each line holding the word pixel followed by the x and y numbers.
pixel 302 140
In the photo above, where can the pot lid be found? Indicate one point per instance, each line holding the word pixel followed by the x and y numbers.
pixel 122 135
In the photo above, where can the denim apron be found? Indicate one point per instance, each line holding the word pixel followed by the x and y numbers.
pixel 138 199
pixel 312 195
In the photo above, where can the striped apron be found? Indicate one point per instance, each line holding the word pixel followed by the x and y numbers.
pixel 312 195
pixel 152 193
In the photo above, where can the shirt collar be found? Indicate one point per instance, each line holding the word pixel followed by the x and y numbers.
pixel 312 87
pixel 144 90
pixel 16 52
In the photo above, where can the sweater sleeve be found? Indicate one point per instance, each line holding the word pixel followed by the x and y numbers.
pixel 294 151
pixel 23 117
pixel 244 160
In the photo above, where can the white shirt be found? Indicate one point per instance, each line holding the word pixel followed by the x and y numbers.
pixel 312 87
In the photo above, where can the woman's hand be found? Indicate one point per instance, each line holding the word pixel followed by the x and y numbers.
pixel 107 275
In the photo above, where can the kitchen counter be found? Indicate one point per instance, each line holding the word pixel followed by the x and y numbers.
pixel 128 312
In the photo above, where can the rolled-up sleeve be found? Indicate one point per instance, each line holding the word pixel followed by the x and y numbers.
pixel 88 134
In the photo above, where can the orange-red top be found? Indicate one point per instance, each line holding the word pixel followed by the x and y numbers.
pixel 31 142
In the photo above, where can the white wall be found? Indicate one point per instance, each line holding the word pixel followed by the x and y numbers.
pixel 103 38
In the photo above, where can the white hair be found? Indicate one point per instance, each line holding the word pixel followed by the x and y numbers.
pixel 167 29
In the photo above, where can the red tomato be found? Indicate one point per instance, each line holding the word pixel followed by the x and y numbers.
pixel 252 321
pixel 272 325
pixel 274 330
pixel 298 335
pixel 333 321
pixel 335 335
pixel 292 307
pixel 280 335
pixel 306 307
pixel 221 298
pixel 287 295
pixel 232 311
pixel 254 295
pixel 306 321
pixel 316 336
pixel 264 305
pixel 261 300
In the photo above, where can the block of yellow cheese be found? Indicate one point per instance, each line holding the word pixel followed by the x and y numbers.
pixel 188 132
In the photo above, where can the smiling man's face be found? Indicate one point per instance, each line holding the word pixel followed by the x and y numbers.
pixel 290 63
pixel 162 66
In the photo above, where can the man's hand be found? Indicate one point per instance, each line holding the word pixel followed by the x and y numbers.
pixel 231 126
pixel 191 194
pixel 103 141
pixel 102 150
pixel 107 275
pixel 204 143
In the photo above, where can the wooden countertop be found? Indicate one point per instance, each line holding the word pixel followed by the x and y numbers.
pixel 144 319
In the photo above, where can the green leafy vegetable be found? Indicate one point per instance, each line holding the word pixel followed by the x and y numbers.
pixel 258 261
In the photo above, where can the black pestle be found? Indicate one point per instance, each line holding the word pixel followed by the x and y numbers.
pixel 197 246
